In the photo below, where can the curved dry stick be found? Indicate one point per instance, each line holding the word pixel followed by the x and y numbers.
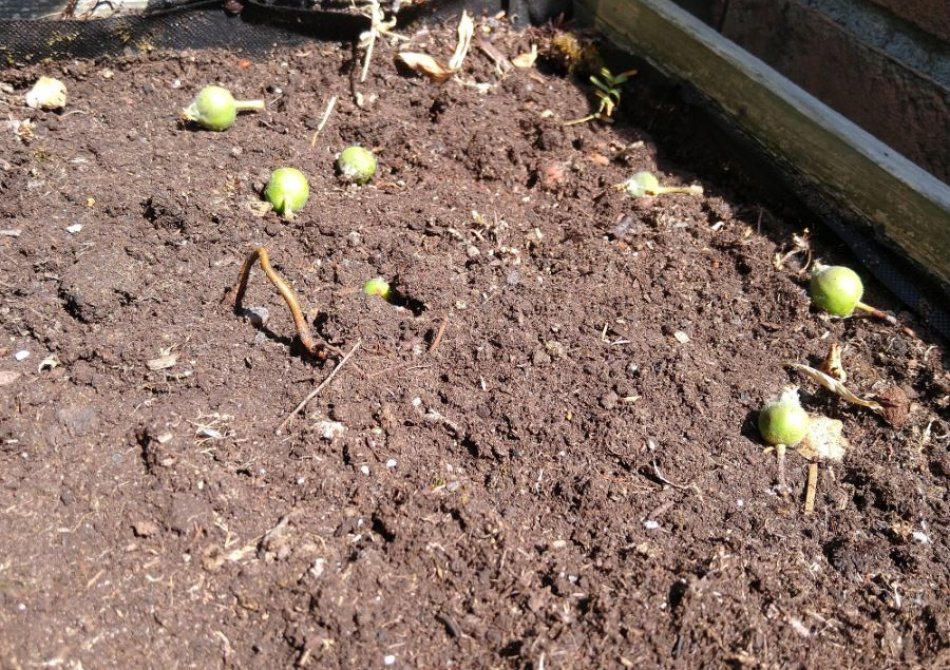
pixel 313 347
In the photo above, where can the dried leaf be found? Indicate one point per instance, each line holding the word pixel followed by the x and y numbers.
pixel 432 67
pixel 824 440
pixel 895 405
pixel 832 364
pixel 162 362
pixel 425 64
pixel 526 60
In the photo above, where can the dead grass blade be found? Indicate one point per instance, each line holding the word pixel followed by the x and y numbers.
pixel 835 387
pixel 465 31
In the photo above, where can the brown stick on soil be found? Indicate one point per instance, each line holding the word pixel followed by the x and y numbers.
pixel 314 348
pixel 314 392
pixel 884 316
pixel 438 336
pixel 811 488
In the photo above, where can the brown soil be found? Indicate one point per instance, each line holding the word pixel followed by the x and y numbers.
pixel 546 455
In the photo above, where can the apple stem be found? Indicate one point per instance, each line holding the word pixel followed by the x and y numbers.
pixel 249 105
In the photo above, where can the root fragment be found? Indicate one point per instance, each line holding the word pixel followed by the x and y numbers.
pixel 318 350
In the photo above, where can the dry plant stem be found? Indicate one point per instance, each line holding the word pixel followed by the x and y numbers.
pixel 438 336
pixel 585 119
pixel 811 488
pixel 287 293
pixel 323 121
pixel 690 190
pixel 323 385
pixel 249 105
pixel 884 316
pixel 368 57
pixel 835 386
pixel 782 481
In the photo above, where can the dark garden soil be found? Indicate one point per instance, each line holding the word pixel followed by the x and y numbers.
pixel 544 457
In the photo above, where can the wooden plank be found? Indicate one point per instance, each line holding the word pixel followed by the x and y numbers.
pixel 873 60
pixel 932 16
pixel 906 205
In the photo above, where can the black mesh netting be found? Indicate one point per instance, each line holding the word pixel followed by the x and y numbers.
pixel 248 25
pixel 195 24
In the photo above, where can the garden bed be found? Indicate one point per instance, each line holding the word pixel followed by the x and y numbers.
pixel 546 457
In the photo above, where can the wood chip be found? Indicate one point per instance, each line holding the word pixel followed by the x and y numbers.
pixel 162 362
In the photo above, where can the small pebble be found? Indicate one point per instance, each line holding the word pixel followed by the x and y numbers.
pixel 22 355
pixel 364 469
pixel 391 463
pixel 73 229
pixel 389 659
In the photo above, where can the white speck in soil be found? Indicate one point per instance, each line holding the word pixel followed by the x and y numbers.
pixel 391 463
pixel 330 430
pixel 22 355
pixel 319 565
pixel 365 470
pixel 389 660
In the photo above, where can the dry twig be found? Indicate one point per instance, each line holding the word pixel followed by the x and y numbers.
pixel 323 121
pixel 811 488
pixel 438 336
pixel 313 393
pixel 886 317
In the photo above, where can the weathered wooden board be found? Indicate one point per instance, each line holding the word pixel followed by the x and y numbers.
pixel 906 205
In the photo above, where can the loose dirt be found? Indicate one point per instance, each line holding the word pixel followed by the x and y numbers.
pixel 543 456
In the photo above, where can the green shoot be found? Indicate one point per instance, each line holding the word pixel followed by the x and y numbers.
pixel 607 89
pixel 645 184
